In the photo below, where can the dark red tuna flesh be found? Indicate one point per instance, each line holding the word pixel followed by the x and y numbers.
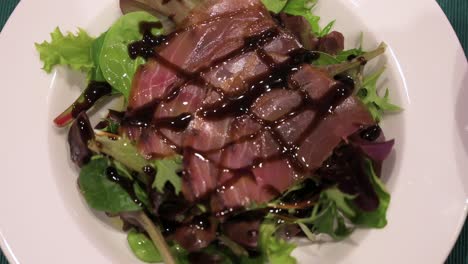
pixel 257 116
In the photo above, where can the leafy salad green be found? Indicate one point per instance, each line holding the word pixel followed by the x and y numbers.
pixel 104 58
pixel 120 181
pixel 69 50
pixel 300 8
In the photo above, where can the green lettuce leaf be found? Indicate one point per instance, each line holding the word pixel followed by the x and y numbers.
pixel 73 50
pixel 335 206
pixel 124 152
pixel 166 172
pixel 117 67
pixel 103 59
pixel 331 222
pixel 101 193
pixel 328 216
pixel 122 170
pixel 141 194
pixel 376 104
pixel 300 8
pixel 325 59
pixel 96 49
pixel 143 247
pixel 112 126
pixel 335 211
pixel 341 201
pixel 344 55
pixel 275 6
pixel 304 8
pixel 276 251
pixel 180 254
pixel 327 29
pixel 377 218
pixel 121 149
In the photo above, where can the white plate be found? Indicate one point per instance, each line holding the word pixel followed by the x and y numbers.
pixel 44 219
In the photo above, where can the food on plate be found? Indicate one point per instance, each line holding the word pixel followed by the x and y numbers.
pixel 245 125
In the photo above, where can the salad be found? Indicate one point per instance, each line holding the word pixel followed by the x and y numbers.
pixel 246 124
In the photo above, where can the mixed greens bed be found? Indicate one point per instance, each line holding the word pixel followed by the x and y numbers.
pixel 147 192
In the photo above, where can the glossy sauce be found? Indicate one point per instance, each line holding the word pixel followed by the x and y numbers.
pixel 277 77
pixel 371 133
pixel 177 124
pixel 146 47
pixel 125 183
pixel 94 92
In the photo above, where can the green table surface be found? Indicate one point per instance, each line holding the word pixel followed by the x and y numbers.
pixel 456 11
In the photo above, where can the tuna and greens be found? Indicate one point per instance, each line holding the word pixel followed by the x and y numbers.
pixel 246 125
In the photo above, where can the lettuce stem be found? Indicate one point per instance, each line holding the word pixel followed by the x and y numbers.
pixel 235 248
pixel 156 236
pixel 336 69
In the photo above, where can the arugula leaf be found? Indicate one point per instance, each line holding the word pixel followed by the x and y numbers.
pixel 336 203
pixel 143 247
pixel 341 201
pixel 117 67
pixel 326 218
pixel 112 126
pixel 275 6
pixel 331 222
pixel 276 250
pixel 356 62
pixel 166 172
pixel 376 104
pixel 336 214
pixel 69 50
pixel 304 8
pixel 377 218
pixel 327 28
pixel 334 206
pixel 325 59
pixel 101 193
pixel 347 55
pixel 344 55
pixel 300 8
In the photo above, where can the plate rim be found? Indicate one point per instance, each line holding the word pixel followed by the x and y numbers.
pixel 3 242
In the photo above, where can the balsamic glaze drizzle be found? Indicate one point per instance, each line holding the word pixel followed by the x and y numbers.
pixel 371 133
pixel 146 47
pixel 127 184
pixel 277 77
pixel 94 92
